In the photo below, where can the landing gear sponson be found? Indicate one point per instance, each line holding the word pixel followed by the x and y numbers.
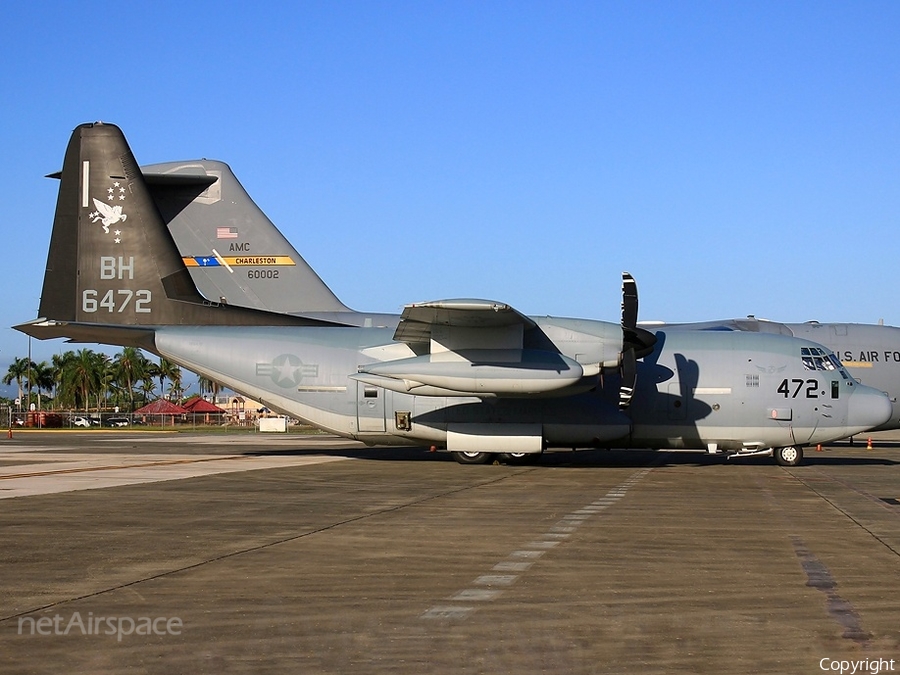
pixel 791 455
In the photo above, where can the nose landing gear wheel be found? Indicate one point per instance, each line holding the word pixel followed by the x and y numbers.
pixel 789 456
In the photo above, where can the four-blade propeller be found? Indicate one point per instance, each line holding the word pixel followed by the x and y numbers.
pixel 636 342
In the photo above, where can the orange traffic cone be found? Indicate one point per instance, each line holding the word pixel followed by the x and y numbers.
pixel 819 448
pixel 869 444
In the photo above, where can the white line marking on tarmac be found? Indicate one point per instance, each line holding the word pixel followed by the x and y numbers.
pixel 510 566
pixel 543 544
pixel 476 594
pixel 527 555
pixel 523 559
pixel 447 612
pixel 71 472
pixel 497 579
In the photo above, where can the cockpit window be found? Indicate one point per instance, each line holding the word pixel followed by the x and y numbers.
pixel 816 358
pixel 837 364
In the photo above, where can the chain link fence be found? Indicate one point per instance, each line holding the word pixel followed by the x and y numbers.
pixel 12 417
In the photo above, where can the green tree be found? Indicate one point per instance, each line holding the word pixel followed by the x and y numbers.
pixel 84 374
pixel 62 395
pixel 107 383
pixel 130 367
pixel 18 372
pixel 65 391
pixel 166 370
pixel 208 386
pixel 176 390
pixel 148 386
pixel 42 377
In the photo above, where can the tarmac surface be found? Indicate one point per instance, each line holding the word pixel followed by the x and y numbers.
pixel 175 553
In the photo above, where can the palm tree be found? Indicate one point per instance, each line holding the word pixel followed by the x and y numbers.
pixel 148 386
pixel 18 371
pixel 84 374
pixel 107 386
pixel 130 367
pixel 63 394
pixel 42 377
pixel 65 389
pixel 176 390
pixel 209 386
pixel 166 370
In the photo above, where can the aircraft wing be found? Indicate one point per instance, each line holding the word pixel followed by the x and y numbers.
pixel 475 348
pixel 420 321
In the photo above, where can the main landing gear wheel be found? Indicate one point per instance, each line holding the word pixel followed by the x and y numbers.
pixel 789 456
pixel 521 457
pixel 472 457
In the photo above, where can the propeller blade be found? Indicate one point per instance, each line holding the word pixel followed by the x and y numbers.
pixel 629 378
pixel 629 301
pixel 636 342
pixel 633 338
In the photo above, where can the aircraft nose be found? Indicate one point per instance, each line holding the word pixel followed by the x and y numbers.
pixel 868 408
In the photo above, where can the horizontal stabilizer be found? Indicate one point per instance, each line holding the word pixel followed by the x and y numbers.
pixel 180 179
pixel 129 336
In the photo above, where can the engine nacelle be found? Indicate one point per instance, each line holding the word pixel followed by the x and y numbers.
pixel 474 372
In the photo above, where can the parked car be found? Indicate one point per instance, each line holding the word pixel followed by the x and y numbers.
pixel 81 422
pixel 116 421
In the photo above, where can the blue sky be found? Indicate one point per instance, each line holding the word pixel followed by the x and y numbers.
pixel 736 157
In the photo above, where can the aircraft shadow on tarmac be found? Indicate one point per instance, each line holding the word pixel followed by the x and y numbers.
pixel 580 459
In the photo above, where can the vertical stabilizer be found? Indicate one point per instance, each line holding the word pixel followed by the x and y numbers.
pixel 112 260
pixel 108 254
pixel 234 253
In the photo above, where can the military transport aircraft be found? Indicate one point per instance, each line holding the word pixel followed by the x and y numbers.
pixel 235 254
pixel 474 377
pixel 869 352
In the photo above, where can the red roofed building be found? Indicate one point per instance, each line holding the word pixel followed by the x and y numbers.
pixel 201 405
pixel 161 407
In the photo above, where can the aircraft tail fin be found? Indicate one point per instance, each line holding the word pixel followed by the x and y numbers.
pixel 232 251
pixel 112 262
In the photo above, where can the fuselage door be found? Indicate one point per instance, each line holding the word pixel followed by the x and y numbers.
pixel 675 403
pixel 370 407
